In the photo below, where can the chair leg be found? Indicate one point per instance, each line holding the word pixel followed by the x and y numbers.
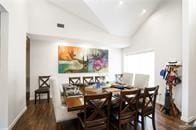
pixel 119 127
pixel 58 126
pixel 35 98
pixel 108 125
pixel 143 127
pixel 135 123
pixel 48 97
pixel 39 97
pixel 124 126
pixel 153 121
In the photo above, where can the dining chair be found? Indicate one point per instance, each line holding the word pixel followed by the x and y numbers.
pixel 118 78
pixel 127 112
pixel 88 80
pixel 148 105
pixel 96 112
pixel 75 81
pixel 141 80
pixel 127 78
pixel 44 87
pixel 99 78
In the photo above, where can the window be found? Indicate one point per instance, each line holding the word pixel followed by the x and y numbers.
pixel 140 63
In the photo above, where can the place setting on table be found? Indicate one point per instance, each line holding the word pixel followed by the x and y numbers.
pixel 74 95
pixel 72 91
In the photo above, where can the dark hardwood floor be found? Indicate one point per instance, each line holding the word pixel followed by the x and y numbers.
pixel 41 117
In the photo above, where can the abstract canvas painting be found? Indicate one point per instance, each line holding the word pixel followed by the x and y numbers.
pixel 82 60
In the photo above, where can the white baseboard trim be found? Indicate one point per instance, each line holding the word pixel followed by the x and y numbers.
pixel 188 119
pixel 17 117
pixel 3 128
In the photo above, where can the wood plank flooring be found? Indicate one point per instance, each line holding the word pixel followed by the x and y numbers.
pixel 41 117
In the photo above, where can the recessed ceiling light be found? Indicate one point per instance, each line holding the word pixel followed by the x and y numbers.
pixel 121 2
pixel 143 12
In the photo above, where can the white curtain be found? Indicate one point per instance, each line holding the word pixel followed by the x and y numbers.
pixel 141 63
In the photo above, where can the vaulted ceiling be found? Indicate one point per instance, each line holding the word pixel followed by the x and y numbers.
pixel 117 17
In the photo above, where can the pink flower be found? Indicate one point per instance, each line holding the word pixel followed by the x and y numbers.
pixel 98 64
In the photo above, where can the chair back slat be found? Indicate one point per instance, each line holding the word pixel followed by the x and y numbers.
pixel 44 81
pixel 99 78
pixel 74 80
pixel 97 109
pixel 128 104
pixel 149 99
pixel 88 80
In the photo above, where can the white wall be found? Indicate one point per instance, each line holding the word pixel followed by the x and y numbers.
pixel 189 61
pixel 44 15
pixel 161 33
pixel 44 61
pixel 16 59
pixel 15 85
pixel 3 68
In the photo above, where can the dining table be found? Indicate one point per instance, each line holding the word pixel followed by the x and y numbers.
pixel 75 103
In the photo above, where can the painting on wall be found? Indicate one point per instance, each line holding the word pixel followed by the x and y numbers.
pixel 82 60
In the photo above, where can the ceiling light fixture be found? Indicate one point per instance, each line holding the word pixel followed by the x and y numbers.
pixel 121 2
pixel 143 12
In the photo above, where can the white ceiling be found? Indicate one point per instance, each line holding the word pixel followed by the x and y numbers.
pixel 118 17
pixel 80 9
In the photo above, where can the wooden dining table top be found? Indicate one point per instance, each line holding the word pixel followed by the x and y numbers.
pixel 74 103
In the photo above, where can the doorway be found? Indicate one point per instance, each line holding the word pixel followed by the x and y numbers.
pixel 27 70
